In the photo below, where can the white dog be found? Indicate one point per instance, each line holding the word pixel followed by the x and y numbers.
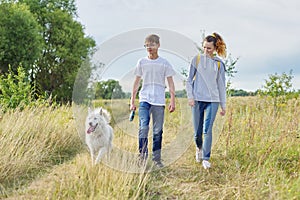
pixel 99 133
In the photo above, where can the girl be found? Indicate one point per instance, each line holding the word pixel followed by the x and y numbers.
pixel 206 90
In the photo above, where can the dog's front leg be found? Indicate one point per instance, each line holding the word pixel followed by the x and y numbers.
pixel 92 156
pixel 102 151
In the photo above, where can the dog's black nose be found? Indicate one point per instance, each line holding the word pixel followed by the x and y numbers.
pixel 90 124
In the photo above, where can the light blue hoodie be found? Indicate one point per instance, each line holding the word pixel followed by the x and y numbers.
pixel 209 84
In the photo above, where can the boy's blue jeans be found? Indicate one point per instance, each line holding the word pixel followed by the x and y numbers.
pixel 204 128
pixel 157 112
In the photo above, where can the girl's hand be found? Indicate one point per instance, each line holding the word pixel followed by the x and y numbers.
pixel 191 102
pixel 223 112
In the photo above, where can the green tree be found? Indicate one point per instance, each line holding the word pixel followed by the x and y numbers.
pixel 230 64
pixel 65 46
pixel 65 49
pixel 279 88
pixel 20 38
pixel 109 89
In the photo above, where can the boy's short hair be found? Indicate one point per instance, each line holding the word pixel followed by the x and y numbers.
pixel 152 39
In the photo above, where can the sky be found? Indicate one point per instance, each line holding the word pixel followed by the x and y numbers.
pixel 263 34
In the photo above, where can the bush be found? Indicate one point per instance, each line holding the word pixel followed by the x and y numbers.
pixel 279 89
pixel 16 91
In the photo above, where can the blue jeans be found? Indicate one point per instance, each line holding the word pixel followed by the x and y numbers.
pixel 157 112
pixel 204 128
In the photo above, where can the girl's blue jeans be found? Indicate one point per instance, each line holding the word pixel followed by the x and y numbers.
pixel 203 126
pixel 157 112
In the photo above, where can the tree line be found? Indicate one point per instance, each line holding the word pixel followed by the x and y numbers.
pixel 277 86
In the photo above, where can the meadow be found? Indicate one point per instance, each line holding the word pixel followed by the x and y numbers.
pixel 256 155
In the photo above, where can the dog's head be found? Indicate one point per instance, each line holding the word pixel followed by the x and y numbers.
pixel 96 119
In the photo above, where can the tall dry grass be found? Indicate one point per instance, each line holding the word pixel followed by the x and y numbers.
pixel 33 140
pixel 256 155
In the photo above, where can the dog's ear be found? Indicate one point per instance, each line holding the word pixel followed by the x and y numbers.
pixel 101 112
pixel 89 110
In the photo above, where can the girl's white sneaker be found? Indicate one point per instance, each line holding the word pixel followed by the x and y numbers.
pixel 206 164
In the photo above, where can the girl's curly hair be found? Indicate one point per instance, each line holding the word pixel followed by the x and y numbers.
pixel 218 43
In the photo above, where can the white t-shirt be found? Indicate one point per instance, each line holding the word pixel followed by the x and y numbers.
pixel 153 73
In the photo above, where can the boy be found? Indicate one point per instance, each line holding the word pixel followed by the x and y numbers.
pixel 153 69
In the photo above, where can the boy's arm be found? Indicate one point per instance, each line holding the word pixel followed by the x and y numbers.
pixel 172 93
pixel 135 89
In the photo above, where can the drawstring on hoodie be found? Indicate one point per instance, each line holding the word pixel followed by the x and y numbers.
pixel 216 66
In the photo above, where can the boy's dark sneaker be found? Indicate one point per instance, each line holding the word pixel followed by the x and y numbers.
pixel 158 164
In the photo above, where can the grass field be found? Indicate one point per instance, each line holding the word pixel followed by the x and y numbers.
pixel 256 155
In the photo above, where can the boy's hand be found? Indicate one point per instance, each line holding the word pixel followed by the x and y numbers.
pixel 132 107
pixel 171 107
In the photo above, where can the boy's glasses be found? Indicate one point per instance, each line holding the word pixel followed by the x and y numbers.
pixel 152 45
